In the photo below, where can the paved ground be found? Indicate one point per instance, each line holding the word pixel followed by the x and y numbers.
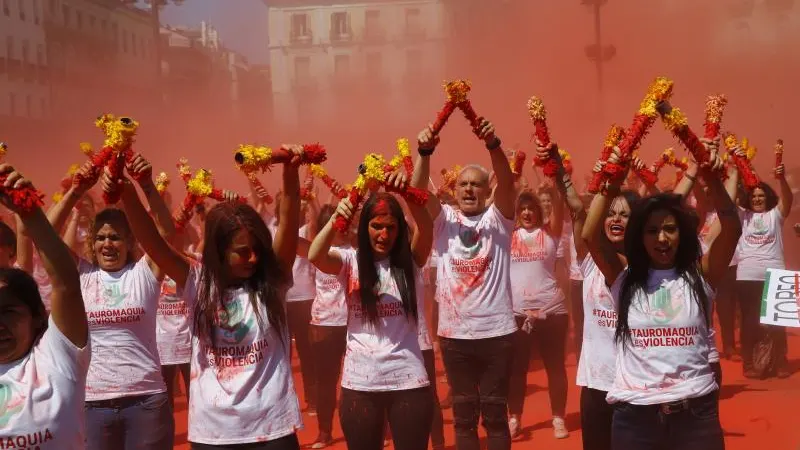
pixel 755 414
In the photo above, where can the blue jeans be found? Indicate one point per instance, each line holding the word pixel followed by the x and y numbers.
pixel 692 426
pixel 142 422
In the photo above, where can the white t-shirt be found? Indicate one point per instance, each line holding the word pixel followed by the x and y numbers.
pixel 667 359
pixel 42 396
pixel 761 244
pixel 575 272
pixel 473 280
pixel 303 275
pixel 533 273
pixel 121 307
pixel 597 365
pixel 242 389
pixel 173 336
pixel 385 356
pixel 330 304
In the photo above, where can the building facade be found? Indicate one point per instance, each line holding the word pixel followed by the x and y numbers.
pixel 101 59
pixel 24 92
pixel 324 53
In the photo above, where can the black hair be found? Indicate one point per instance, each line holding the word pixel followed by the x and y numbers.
pixel 266 286
pixel 769 193
pixel 401 261
pixel 8 238
pixel 687 258
pixel 119 221
pixel 20 285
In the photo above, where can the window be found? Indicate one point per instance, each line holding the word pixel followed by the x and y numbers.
pixel 36 12
pixel 65 11
pixel 12 103
pixel 9 47
pixel 299 25
pixel 143 47
pixel 28 105
pixel 341 66
pixel 302 69
pixel 92 21
pixel 103 26
pixel 43 106
pixel 134 45
pixel 413 60
pixel 53 7
pixel 413 21
pixel 374 64
pixel 25 50
pixel 339 23
pixel 372 25
pixel 125 41
pixel 79 19
pixel 6 9
pixel 114 32
pixel 40 55
pixel 21 6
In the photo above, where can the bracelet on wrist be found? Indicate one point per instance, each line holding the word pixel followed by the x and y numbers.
pixel 494 145
pixel 425 151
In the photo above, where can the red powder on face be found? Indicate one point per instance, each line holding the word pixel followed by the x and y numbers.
pixel 381 208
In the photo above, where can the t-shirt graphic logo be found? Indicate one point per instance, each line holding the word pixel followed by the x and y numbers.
pixel 113 294
pixel 169 291
pixel 666 308
pixel 233 324
pixel 470 239
pixel 11 403
pixel 759 227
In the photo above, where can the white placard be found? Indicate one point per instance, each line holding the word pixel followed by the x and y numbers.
pixel 780 301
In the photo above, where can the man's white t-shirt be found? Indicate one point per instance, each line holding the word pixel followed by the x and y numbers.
pixel 533 273
pixel 385 356
pixel 121 307
pixel 330 304
pixel 667 359
pixel 473 282
pixel 42 395
pixel 761 244
pixel 173 336
pixel 242 389
pixel 597 365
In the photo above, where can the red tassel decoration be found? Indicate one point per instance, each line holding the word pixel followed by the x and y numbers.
pixel 612 140
pixel 341 224
pixel 715 105
pixel 746 171
pixel 778 154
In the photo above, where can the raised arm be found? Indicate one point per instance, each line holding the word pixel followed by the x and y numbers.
pixel 687 183
pixel 426 142
pixel 67 309
pixel 142 171
pixel 60 212
pixel 161 257
pixel 564 188
pixel 716 261
pixel 603 253
pixel 504 193
pixel 24 247
pixel 787 196
pixel 285 242
pixel 422 241
pixel 320 253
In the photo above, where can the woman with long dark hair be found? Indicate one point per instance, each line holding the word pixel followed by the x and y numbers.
pixel 664 390
pixel 242 393
pixel 539 306
pixel 43 360
pixel 384 373
pixel 761 248
pixel 126 401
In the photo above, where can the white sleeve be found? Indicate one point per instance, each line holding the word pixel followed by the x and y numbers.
pixel 63 355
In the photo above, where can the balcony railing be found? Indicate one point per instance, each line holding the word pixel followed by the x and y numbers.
pixel 415 33
pixel 341 37
pixel 301 38
pixel 29 72
pixel 374 35
pixel 14 69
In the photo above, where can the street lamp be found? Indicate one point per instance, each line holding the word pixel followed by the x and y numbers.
pixel 597 52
